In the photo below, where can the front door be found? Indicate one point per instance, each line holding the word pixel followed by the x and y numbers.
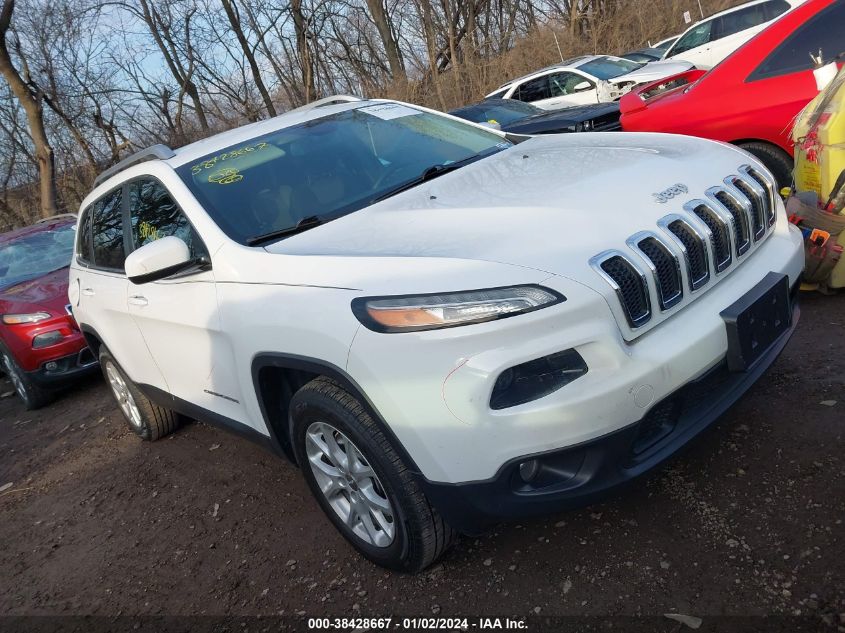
pixel 178 316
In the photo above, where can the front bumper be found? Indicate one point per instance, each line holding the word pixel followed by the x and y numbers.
pixel 585 473
pixel 54 372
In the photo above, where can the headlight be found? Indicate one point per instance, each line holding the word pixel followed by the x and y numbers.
pixel 433 311
pixel 17 319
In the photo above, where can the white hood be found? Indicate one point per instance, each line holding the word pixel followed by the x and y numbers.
pixel 548 204
pixel 653 71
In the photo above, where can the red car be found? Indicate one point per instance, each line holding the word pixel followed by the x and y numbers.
pixel 753 96
pixel 41 346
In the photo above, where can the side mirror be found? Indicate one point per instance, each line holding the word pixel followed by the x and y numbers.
pixel 581 87
pixel 159 259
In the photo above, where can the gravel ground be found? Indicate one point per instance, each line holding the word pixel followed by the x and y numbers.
pixel 748 521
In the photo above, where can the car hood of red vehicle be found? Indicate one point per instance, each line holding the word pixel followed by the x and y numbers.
pixel 48 291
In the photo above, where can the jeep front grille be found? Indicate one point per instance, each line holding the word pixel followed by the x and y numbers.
pixel 706 238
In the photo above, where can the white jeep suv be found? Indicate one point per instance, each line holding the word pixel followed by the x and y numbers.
pixel 443 325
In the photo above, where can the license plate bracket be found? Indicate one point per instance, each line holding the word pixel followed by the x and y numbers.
pixel 756 321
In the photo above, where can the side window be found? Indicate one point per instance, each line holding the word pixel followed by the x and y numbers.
pixel 562 84
pixel 738 21
pixel 153 214
pixel 534 90
pixel 775 8
pixel 83 248
pixel 107 227
pixel 697 36
pixel 822 31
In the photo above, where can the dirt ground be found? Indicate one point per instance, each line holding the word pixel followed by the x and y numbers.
pixel 748 521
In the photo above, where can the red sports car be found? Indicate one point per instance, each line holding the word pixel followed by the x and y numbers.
pixel 753 96
pixel 41 346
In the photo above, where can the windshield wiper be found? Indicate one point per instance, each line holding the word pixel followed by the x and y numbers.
pixel 303 225
pixel 430 173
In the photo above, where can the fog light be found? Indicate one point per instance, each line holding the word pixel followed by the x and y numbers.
pixel 51 366
pixel 537 378
pixel 528 470
pixel 47 339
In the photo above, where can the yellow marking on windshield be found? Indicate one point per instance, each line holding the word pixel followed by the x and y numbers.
pixel 209 163
pixel 225 176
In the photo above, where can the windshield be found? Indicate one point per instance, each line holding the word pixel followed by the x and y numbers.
pixel 609 67
pixel 328 167
pixel 36 254
pixel 503 114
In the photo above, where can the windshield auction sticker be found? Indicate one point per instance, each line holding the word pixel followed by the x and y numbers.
pixel 389 111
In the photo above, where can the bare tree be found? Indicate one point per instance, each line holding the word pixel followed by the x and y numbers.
pixel 32 101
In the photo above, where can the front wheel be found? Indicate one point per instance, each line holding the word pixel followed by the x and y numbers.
pixel 33 396
pixel 361 482
pixel 774 158
pixel 146 419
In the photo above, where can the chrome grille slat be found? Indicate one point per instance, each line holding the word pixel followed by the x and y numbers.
pixel 629 284
pixel 664 265
pixel 719 230
pixel 693 246
pixel 739 213
pixel 767 186
pixel 757 199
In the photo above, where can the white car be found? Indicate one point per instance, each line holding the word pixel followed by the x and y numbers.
pixel 709 41
pixel 583 80
pixel 443 325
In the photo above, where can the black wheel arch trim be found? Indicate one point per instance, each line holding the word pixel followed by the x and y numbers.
pixel 279 360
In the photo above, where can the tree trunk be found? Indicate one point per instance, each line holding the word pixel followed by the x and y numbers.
pixel 32 105
pixel 235 22
pixel 391 46
pixel 305 61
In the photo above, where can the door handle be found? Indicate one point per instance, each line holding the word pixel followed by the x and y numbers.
pixel 138 300
pixel 88 292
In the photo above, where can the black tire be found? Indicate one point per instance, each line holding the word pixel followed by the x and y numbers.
pixel 774 158
pixel 31 394
pixel 153 422
pixel 421 536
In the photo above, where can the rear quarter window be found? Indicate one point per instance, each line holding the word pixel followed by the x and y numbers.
pixel 824 31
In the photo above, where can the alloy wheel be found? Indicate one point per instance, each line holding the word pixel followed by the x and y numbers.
pixel 14 376
pixel 349 484
pixel 124 397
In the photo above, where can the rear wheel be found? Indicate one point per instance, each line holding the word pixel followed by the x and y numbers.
pixel 146 419
pixel 361 482
pixel 774 158
pixel 32 395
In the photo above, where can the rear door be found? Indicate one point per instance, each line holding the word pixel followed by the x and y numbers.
pixel 178 316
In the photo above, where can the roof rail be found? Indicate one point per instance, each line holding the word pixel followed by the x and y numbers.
pixel 58 216
pixel 155 152
pixel 326 101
